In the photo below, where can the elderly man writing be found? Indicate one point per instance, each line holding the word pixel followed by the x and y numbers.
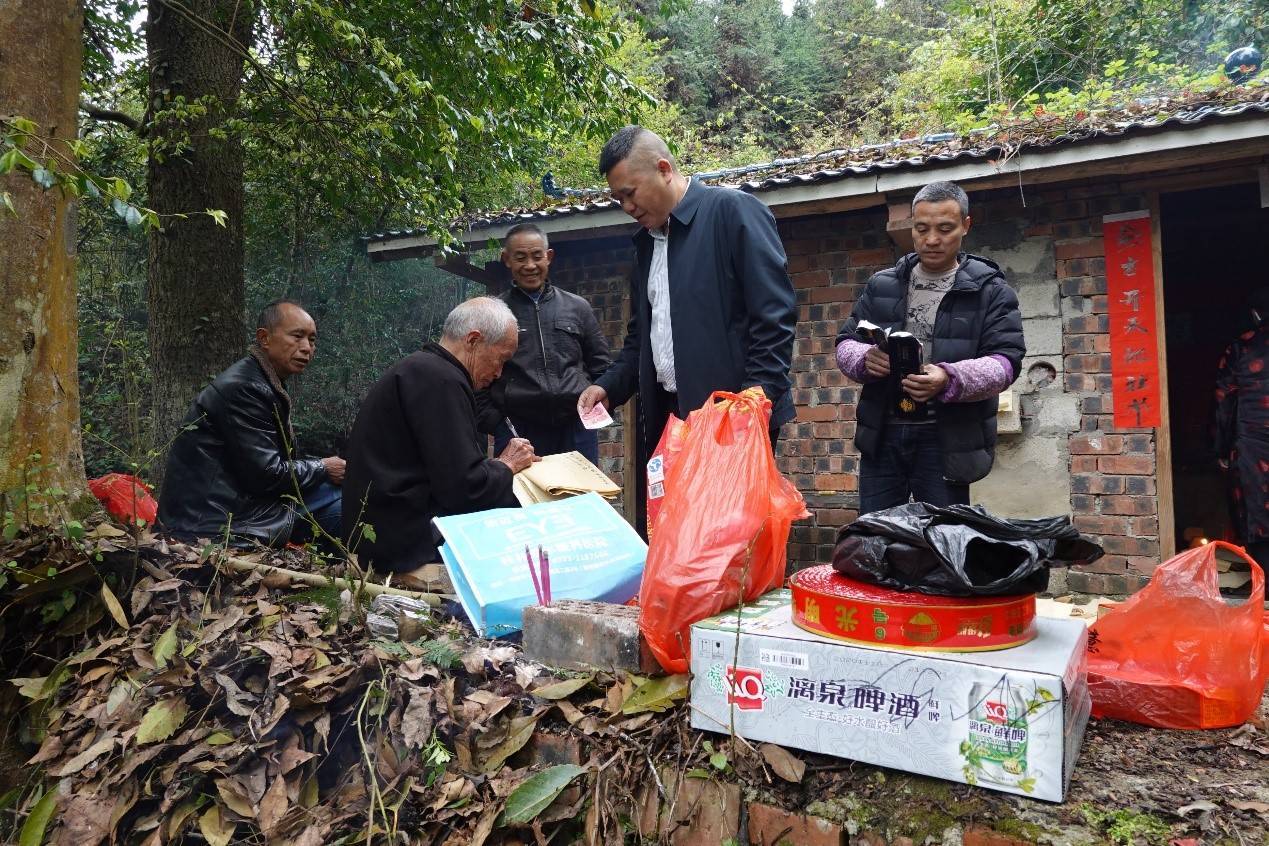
pixel 415 452
pixel 233 469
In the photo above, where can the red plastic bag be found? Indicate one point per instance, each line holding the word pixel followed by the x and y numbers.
pixel 723 526
pixel 127 498
pixel 1176 655
pixel 667 452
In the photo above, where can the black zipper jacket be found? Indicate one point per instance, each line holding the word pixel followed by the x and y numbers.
pixel 561 352
pixel 978 317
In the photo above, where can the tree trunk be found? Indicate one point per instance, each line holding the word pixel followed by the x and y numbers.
pixel 195 269
pixel 39 383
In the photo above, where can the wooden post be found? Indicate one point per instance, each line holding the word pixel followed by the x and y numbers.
pixel 1163 435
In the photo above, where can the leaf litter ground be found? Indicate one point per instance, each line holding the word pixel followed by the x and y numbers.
pixel 171 703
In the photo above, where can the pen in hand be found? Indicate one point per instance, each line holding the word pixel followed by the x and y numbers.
pixel 511 426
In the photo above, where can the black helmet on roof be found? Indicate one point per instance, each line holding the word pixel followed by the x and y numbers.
pixel 1243 63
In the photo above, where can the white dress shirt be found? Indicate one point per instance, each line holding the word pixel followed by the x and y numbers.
pixel 659 296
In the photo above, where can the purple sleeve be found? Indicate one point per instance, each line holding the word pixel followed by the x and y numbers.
pixel 973 379
pixel 850 359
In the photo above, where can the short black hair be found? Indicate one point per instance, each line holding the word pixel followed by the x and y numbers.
pixel 937 192
pixel 271 315
pixel 529 228
pixel 619 147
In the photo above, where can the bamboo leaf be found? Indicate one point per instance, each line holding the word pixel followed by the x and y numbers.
pixel 216 830
pixel 517 736
pixel 656 694
pixel 32 833
pixel 532 796
pixel 162 719
pixel 112 605
pixel 165 648
pixel 562 689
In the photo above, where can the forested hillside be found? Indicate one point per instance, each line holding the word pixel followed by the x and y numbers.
pixel 355 117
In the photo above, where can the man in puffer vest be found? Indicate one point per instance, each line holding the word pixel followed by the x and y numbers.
pixel 931 434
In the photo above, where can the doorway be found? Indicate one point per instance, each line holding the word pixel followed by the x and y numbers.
pixel 1215 249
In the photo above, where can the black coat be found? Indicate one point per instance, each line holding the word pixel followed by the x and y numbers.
pixel 561 352
pixel 414 454
pixel 231 464
pixel 978 317
pixel 732 310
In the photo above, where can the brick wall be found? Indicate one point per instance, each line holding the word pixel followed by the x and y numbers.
pixel 1113 484
pixel 1107 473
pixel 600 272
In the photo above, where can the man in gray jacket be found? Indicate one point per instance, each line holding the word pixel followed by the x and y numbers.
pixel 561 352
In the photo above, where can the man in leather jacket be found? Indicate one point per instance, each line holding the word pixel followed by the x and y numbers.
pixel 233 469
pixel 561 351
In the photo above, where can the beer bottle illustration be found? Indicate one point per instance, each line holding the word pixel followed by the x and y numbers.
pixel 995 749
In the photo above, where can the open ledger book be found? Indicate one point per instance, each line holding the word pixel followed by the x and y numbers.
pixel 560 476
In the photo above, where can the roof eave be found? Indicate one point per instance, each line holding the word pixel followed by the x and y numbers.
pixel 858 190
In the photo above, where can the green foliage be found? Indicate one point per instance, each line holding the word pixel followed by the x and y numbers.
pixel 1066 57
pixel 1124 826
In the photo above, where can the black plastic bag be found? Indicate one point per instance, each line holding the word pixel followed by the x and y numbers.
pixel 958 550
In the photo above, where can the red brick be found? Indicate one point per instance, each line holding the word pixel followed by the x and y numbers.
pixel 1087 324
pixel 1083 464
pixel 872 258
pixel 798 264
pixel 770 826
pixel 810 279
pixel 1107 564
pixel 1100 524
pixel 1095 443
pixel 1127 465
pixel 1144 565
pixel 835 294
pixel 1135 506
pixel 817 413
pixel 1143 527
pixel 1087 363
pixel 1096 483
pixel 1082 248
pixel 836 482
pixel 1083 286
pixel 1138 547
pixel 977 835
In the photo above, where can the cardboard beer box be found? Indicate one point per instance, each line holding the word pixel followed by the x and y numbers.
pixel 1010 720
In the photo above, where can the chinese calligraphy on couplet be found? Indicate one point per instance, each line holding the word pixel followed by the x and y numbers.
pixel 1134 350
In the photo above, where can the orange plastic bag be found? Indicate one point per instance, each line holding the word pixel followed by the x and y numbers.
pixel 723 526
pixel 667 453
pixel 1176 655
pixel 127 498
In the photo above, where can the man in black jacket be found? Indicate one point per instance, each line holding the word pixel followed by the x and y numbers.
pixel 415 452
pixel 930 435
pixel 711 304
pixel 233 468
pixel 561 351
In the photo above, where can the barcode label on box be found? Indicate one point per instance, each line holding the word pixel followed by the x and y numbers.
pixel 776 658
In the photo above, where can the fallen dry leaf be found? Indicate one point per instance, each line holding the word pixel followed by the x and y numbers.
pixel 783 763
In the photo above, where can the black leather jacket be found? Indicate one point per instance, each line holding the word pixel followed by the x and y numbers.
pixel 230 465
pixel 561 352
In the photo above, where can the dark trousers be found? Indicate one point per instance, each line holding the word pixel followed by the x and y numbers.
pixel 908 465
pixel 324 504
pixel 550 440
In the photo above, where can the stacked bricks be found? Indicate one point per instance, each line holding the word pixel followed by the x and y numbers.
pixel 1113 488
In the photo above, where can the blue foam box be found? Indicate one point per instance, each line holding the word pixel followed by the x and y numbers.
pixel 594 552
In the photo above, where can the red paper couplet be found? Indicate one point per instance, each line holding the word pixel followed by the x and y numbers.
pixel 1134 349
